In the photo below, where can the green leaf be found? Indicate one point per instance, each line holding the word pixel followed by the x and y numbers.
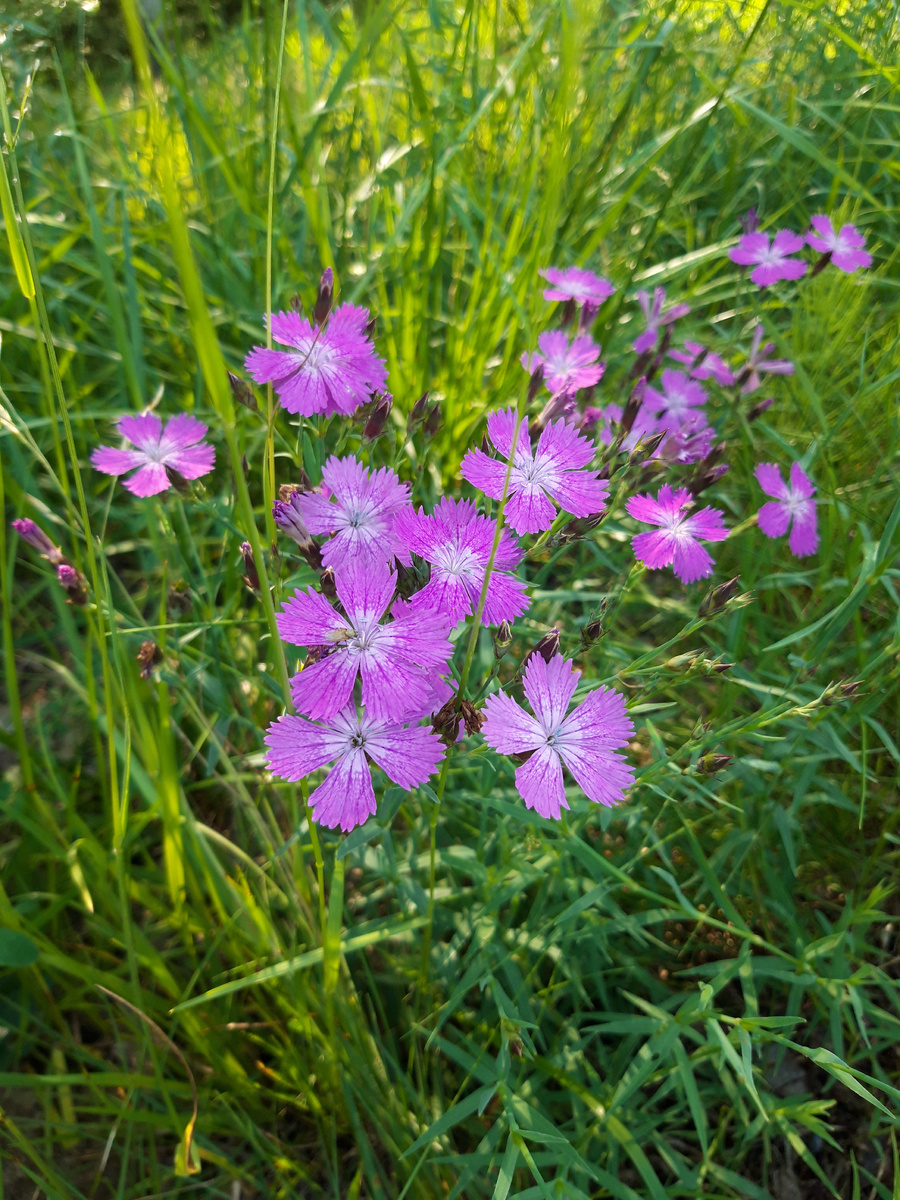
pixel 17 949
pixel 474 1103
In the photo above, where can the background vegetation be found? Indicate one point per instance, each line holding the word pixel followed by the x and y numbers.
pixel 694 995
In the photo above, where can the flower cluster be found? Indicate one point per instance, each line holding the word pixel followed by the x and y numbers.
pixel 380 683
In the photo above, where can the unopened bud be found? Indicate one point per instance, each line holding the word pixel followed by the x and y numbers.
pixel 704 479
pixel 433 421
pixel 313 555
pixel 296 303
pixel 178 481
pixel 568 313
pixel 445 722
pixel 289 519
pixel 417 413
pixel 251 576
pixel 325 298
pixel 710 764
pixel 485 445
pixel 594 630
pixel 749 221
pixel 371 325
pixel 32 533
pixel 717 598
pixel 682 662
pixel 374 426
pixel 851 688
pixel 546 648
pixel 633 406
pixel 821 263
pixel 535 382
pixel 408 582
pixel 758 409
pixel 588 316
pixel 242 392
pixel 327 584
pixel 640 365
pixel 647 447
pixel 72 582
pixel 502 639
pixel 149 656
pixel 700 358
pixel 578 528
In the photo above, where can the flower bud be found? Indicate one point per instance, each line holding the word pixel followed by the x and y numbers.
pixel 242 392
pixel 710 764
pixel 546 648
pixel 594 630
pixel 432 421
pixel 177 480
pixel 717 598
pixel 704 479
pixel 568 313
pixel 251 576
pixel 758 409
pixel 73 582
pixel 327 584
pixel 640 365
pixel 374 426
pixel 749 221
pixel 588 316
pixel 408 582
pixel 578 528
pixel 821 263
pixel 32 533
pixel 502 639
pixel 633 406
pixel 647 447
pixel 325 298
pixel 370 327
pixel 535 383
pixel 149 656
pixel 288 518
pixel 417 413
pixel 313 555
pixel 296 303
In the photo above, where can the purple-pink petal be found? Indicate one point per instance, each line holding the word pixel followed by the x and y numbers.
pixel 576 284
pixel 540 783
pixel 346 798
pixel 550 687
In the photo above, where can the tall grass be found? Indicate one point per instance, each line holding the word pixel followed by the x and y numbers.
pixel 693 995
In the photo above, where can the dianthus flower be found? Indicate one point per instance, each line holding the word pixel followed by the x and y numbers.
pixel 572 283
pixel 358 507
pixel 456 540
pixel 396 660
pixel 677 400
pixel 675 543
pixel 179 446
pixel 760 362
pixel 329 369
pixel 771 261
pixel 289 518
pixel 704 364
pixel 585 741
pixel 297 747
pixel 793 506
pixel 690 442
pixel 551 471
pixel 844 247
pixel 567 367
pixel 655 318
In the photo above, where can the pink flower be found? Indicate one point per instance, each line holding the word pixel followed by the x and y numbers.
pixel 677 400
pixel 704 364
pixel 456 540
pixel 566 367
pixel 329 369
pixel 793 506
pixel 29 531
pixel 675 543
pixel 585 741
pixel 656 318
pixel 584 287
pixel 772 261
pixel 408 756
pixel 760 363
pixel 845 247
pixel 396 660
pixel 179 446
pixel 551 471
pixel 690 442
pixel 358 507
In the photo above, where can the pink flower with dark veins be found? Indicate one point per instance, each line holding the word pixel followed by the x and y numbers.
pixel 845 246
pixel 792 507
pixel 656 318
pixel 567 367
pixel 678 399
pixel 396 660
pixel 330 369
pixel 179 446
pixel 358 508
pixel 770 261
pixel 456 540
pixel 676 542
pixel 551 471
pixel 572 283
pixel 586 741
pixel 408 755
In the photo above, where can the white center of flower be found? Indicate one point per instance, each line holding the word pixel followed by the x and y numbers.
pixel 316 357
pixel 455 560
